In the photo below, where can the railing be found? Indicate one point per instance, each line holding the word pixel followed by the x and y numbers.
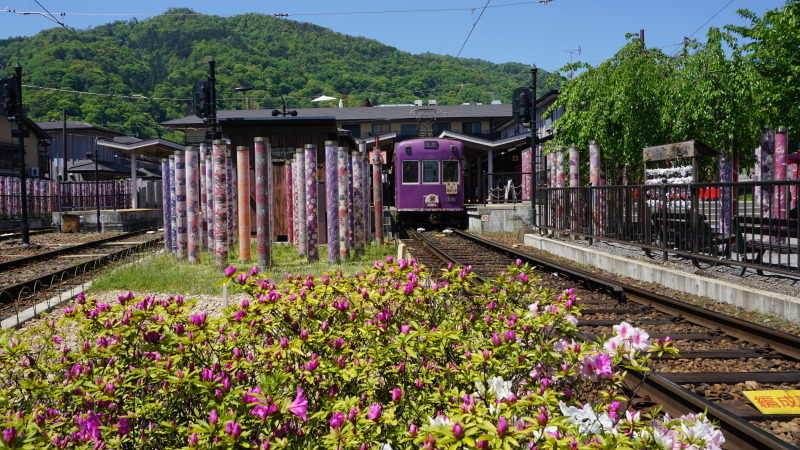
pixel 43 196
pixel 749 224
pixel 505 187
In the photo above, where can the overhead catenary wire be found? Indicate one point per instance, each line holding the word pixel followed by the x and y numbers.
pixel 473 28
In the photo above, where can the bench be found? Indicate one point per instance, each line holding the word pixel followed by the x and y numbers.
pixel 765 236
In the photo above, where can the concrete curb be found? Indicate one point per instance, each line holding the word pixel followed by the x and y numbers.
pixel 752 299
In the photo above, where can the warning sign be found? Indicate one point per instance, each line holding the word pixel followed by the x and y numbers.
pixel 775 402
pixel 485 218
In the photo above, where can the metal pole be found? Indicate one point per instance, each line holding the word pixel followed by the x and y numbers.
pixel 534 144
pixel 23 178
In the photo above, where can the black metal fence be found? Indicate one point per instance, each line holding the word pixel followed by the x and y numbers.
pixel 44 196
pixel 749 224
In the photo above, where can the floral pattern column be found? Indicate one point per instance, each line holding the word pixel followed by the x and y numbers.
pixel 288 173
pixel 173 219
pixel 165 211
pixel 358 199
pixel 229 183
pixel 312 205
pixel 526 180
pixel 332 200
pixel 781 157
pixel 377 194
pixel 350 207
pixel 201 185
pixel 180 202
pixel 220 204
pixel 209 188
pixel 300 196
pixel 243 197
pixel 574 182
pixel 560 197
pixel 366 191
pixel 594 182
pixel 263 155
pixel 192 204
pixel 344 218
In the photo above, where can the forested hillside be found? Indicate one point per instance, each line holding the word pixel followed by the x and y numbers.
pixel 162 57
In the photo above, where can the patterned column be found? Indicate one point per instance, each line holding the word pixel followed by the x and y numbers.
pixel 229 184
pixel 201 184
pixel 173 219
pixel 312 205
pixel 220 204
pixel 243 197
pixel 357 199
pixel 350 216
pixel 192 204
pixel 180 202
pixel 366 191
pixel 332 200
pixel 526 179
pixel 263 156
pixel 781 157
pixel 165 182
pixel 209 187
pixel 289 172
pixel 594 181
pixel 344 218
pixel 300 196
pixel 574 182
pixel 726 196
pixel 767 168
pixel 560 196
pixel 377 194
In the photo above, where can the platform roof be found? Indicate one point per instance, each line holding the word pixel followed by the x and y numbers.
pixel 153 148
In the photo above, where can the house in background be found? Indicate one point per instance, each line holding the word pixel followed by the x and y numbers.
pixel 80 139
pixel 37 141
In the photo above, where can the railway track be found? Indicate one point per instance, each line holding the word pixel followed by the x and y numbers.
pixel 24 281
pixel 721 356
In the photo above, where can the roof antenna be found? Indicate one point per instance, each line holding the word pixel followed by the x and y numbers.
pixel 572 52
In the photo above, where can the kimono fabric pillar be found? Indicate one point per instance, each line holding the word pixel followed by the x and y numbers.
pixel 229 183
pixel 220 204
pixel 601 206
pixel 288 172
pixel 358 200
pixel 767 168
pixel 332 200
pixel 243 199
pixel 312 205
pixel 574 182
pixel 365 204
pixel 263 155
pixel 201 185
pixel 180 202
pixel 561 193
pixel 350 206
pixel 165 182
pixel 344 219
pixel 300 197
pixel 293 217
pixel 594 182
pixel 209 187
pixel 780 196
pixel 192 203
pixel 377 194
pixel 172 210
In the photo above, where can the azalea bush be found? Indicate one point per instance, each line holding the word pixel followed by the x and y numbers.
pixel 385 359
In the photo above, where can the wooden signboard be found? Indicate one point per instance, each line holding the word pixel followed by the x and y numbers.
pixel 678 150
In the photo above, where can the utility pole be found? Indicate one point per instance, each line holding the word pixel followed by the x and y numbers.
pixel 21 136
pixel 534 144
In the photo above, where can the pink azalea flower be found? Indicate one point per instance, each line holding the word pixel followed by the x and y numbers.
pixel 375 412
pixel 230 270
pixel 337 420
pixel 300 405
pixel 213 417
pixel 397 394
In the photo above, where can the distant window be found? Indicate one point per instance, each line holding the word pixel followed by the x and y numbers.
pixel 354 129
pixel 410 172
pixel 380 128
pixel 408 129
pixel 438 127
pixel 430 171
pixel 472 128
pixel 449 171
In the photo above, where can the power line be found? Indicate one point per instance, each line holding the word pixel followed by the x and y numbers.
pixel 473 28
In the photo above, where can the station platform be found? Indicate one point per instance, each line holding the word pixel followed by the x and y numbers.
pixel 494 217
pixel 123 220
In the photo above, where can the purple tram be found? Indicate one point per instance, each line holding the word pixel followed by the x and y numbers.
pixel 429 184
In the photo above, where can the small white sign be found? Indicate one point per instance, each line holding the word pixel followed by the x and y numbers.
pixel 485 218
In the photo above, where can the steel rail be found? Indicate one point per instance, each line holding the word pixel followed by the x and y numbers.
pixel 676 400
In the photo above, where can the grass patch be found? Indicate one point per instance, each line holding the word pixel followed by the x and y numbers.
pixel 165 274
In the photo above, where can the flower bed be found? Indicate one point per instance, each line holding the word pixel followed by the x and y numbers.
pixel 385 359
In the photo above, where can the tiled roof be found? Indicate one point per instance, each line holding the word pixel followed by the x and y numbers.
pixel 75 125
pixel 361 114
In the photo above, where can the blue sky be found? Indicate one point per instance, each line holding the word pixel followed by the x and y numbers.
pixel 529 32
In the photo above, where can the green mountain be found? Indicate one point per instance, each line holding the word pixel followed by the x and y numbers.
pixel 161 58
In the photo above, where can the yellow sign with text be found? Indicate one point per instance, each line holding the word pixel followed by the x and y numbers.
pixel 775 402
